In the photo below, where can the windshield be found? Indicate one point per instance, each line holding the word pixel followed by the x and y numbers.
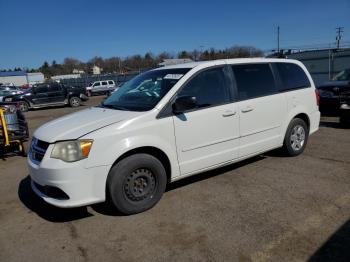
pixel 343 75
pixel 143 92
pixel 4 92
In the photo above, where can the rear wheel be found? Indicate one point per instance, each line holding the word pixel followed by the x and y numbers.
pixel 136 183
pixel 23 106
pixel 74 101
pixel 296 137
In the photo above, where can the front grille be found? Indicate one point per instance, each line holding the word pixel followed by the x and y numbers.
pixel 37 150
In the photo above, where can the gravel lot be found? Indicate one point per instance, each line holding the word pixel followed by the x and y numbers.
pixel 269 208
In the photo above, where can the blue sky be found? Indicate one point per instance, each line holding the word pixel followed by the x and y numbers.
pixel 32 32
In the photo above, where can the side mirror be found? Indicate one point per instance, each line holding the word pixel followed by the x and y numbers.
pixel 184 103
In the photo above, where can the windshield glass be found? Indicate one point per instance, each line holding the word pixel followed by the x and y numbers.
pixel 343 75
pixel 4 92
pixel 143 92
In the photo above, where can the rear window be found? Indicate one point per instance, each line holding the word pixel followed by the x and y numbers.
pixel 254 80
pixel 292 76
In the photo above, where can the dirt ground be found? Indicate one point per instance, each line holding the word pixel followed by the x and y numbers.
pixel 268 208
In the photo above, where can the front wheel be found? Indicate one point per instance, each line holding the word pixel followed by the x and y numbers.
pixel 23 106
pixel 136 183
pixel 74 101
pixel 296 137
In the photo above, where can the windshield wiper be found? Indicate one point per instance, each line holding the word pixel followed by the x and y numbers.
pixel 114 107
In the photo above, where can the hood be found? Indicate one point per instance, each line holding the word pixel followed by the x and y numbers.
pixel 78 124
pixel 334 84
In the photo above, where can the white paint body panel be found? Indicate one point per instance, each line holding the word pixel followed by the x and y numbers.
pixel 193 142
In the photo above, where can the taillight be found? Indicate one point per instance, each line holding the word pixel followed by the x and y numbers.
pixel 317 93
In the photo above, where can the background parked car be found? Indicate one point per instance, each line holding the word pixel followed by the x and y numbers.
pixel 11 88
pixel 344 110
pixel 101 87
pixel 51 94
pixel 331 93
pixel 8 92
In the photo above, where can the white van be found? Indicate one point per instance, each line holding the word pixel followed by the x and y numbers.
pixel 170 123
pixel 101 87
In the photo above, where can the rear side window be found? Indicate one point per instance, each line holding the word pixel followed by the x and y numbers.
pixel 254 80
pixel 111 82
pixel 209 87
pixel 41 89
pixel 292 76
pixel 104 83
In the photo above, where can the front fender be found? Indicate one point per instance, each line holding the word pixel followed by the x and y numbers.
pixel 109 145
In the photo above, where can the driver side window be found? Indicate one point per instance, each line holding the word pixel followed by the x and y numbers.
pixel 210 88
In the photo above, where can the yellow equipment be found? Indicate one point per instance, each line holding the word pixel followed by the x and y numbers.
pixel 13 128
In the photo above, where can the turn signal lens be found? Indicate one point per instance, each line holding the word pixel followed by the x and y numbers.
pixel 85 146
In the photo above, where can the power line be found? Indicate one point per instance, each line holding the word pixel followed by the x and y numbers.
pixel 278 39
pixel 339 31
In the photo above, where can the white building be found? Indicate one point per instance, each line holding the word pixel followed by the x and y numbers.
pixel 78 71
pixel 59 77
pixel 175 61
pixel 35 78
pixel 96 70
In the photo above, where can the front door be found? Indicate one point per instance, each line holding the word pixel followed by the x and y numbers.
pixel 56 93
pixel 208 135
pixel 40 95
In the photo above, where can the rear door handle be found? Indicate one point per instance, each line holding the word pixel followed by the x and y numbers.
pixel 228 113
pixel 247 109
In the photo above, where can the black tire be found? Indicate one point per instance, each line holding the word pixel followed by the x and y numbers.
pixel 293 146
pixel 344 122
pixel 74 101
pixel 136 183
pixel 23 106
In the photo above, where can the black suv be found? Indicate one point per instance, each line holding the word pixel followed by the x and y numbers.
pixel 51 94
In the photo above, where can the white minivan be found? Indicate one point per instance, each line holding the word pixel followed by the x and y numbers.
pixel 170 123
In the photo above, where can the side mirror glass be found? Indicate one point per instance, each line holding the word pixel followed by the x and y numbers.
pixel 184 103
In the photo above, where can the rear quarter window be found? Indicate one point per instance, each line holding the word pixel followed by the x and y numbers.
pixel 292 77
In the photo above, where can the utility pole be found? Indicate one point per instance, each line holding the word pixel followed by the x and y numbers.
pixel 278 39
pixel 340 30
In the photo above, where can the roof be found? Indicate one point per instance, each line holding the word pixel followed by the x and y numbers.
pixel 13 73
pixel 228 61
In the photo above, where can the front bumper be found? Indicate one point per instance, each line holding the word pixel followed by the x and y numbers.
pixel 344 112
pixel 83 186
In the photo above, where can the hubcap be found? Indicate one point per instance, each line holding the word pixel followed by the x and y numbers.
pixel 75 102
pixel 22 107
pixel 297 138
pixel 139 185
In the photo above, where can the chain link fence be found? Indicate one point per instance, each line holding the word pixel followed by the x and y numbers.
pixel 85 80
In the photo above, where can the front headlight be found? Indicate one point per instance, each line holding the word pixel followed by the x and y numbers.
pixel 9 99
pixel 71 151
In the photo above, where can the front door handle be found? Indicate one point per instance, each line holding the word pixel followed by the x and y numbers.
pixel 228 113
pixel 247 109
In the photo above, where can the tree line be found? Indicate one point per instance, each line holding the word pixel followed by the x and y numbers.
pixel 140 62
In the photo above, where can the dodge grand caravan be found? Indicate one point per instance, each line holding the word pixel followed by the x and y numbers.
pixel 170 123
